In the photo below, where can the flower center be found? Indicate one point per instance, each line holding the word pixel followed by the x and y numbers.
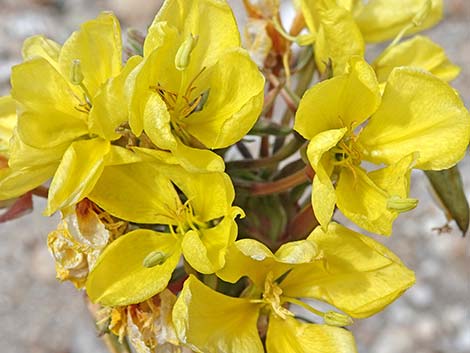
pixel 272 298
pixel 186 220
pixel 185 101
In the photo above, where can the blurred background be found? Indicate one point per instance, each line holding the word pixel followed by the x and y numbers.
pixel 40 315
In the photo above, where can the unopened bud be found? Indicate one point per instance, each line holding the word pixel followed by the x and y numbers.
pixel 333 318
pixel 154 258
pixel 421 16
pixel 398 204
pixel 76 75
pixel 184 52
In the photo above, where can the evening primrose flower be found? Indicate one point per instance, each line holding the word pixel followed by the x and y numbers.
pixel 196 88
pixel 410 126
pixel 193 214
pixel 65 99
pixel 343 268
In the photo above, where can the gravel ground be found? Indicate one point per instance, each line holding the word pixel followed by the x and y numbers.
pixel 39 315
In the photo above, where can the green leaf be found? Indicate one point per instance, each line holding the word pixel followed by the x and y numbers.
pixel 449 189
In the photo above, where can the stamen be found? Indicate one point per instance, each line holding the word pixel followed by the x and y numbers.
pixel 77 77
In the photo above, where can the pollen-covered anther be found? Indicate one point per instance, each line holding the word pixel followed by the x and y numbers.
pixel 272 297
pixel 399 204
pixel 334 318
pixel 183 54
pixel 76 75
pixel 154 258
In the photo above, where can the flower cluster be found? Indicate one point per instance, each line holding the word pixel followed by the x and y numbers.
pixel 185 245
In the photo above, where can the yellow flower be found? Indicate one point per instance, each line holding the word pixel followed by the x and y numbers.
pixel 336 35
pixel 420 52
pixel 349 270
pixel 196 88
pixel 193 214
pixel 409 126
pixel 66 99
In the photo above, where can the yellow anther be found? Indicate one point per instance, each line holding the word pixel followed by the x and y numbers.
pixel 398 204
pixel 76 75
pixel 153 259
pixel 333 318
pixel 272 297
pixel 183 54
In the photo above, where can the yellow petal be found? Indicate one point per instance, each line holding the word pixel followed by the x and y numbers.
pixel 251 258
pixel 205 249
pixel 49 116
pixel 120 277
pixel 211 322
pixel 190 18
pixel 338 38
pixel 145 194
pixel 395 178
pixel 197 160
pixel 419 113
pixel 16 182
pixel 98 38
pixel 236 91
pixel 77 174
pixel 368 207
pixel 158 68
pixel 323 197
pixel 43 47
pixel 210 194
pixel 157 123
pixel 24 156
pixel 323 193
pixel 293 336
pixel 420 52
pixel 111 104
pixel 342 101
pixel 7 121
pixel 380 20
pixel 359 275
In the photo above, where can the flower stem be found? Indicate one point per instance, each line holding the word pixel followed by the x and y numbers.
pixel 277 186
pixel 286 151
